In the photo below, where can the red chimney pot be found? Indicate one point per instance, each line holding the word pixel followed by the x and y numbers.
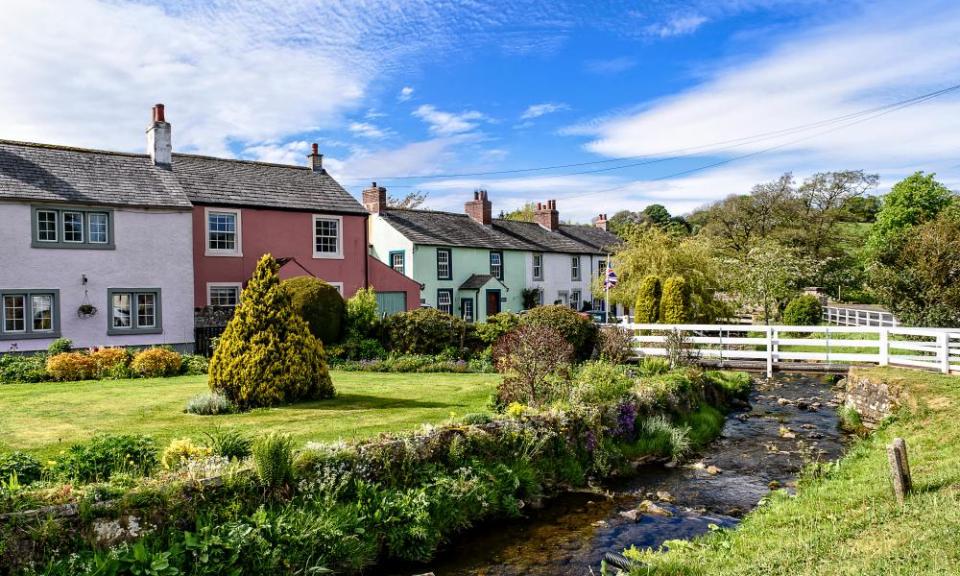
pixel 158 113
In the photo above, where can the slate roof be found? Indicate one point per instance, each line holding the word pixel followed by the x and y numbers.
pixel 62 174
pixel 450 229
pixel 599 239
pixel 542 239
pixel 477 281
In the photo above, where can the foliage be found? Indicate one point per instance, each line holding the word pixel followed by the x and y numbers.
pixel 532 359
pixel 273 460
pixel 615 344
pixel 425 331
pixel 194 364
pixel 654 366
pixel 663 438
pixel 71 366
pixel 646 309
pixel 361 310
pixel 766 275
pixel 411 201
pixel 229 443
pixel 106 454
pixel 703 425
pixel 110 362
pixel 679 348
pixel 320 304
pixel 578 330
pixel 804 310
pixel 422 363
pixel 522 214
pixel 496 326
pixel 850 420
pixel 210 404
pixel 180 451
pixel 601 382
pixel 267 355
pixel 732 384
pixel 356 348
pixel 530 298
pixel 675 302
pixel 156 362
pixel 916 199
pixel 23 368
pixel 59 346
pixel 25 467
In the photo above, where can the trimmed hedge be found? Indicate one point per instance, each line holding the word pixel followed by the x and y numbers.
pixel 320 304
pixel 577 329
pixel 675 302
pixel 647 308
pixel 426 331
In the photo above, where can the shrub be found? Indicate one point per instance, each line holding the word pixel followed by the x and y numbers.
pixel 615 344
pixel 26 468
pixel 273 460
pixel 476 418
pixel 156 363
pixel 110 362
pixel 106 454
pixel 804 310
pixel 59 346
pixel 210 404
pixel 601 382
pixel 23 368
pixel 663 438
pixel 71 366
pixel 194 365
pixel 496 326
pixel 647 308
pixel 181 451
pixel 654 366
pixel 359 348
pixel 229 443
pixel 361 313
pixel 572 326
pixel 320 304
pixel 425 331
pixel 534 361
pixel 674 303
pixel 267 355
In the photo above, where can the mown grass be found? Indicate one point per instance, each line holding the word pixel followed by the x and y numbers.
pixel 846 520
pixel 46 418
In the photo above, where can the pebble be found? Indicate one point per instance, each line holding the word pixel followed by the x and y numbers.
pixel 713 470
pixel 787 433
pixel 648 507
pixel 664 496
pixel 782 401
pixel 631 515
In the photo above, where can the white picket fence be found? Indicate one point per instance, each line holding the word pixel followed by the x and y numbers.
pixel 843 316
pixel 779 347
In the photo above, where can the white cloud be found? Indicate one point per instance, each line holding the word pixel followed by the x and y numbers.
pixel 610 65
pixel 421 158
pixel 366 130
pixel 676 26
pixel 405 94
pixel 448 123
pixel 538 110
pixel 294 153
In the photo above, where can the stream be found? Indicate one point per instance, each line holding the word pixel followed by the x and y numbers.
pixel 791 420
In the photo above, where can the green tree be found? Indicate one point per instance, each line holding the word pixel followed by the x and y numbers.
pixel 624 221
pixel 658 214
pixel 766 276
pixel 362 313
pixel 320 304
pixel 804 310
pixel 914 200
pixel 647 307
pixel 675 301
pixel 523 214
pixel 267 355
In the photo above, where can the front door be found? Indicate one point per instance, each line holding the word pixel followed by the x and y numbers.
pixel 493 302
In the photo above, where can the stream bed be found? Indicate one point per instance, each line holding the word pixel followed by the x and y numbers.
pixel 791 420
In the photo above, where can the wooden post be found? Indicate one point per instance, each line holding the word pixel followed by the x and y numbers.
pixel 943 344
pixel 899 469
pixel 884 346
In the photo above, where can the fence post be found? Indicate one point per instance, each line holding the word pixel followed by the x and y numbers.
pixel 899 469
pixel 884 346
pixel 769 352
pixel 943 344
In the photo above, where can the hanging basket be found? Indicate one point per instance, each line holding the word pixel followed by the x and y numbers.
pixel 86 311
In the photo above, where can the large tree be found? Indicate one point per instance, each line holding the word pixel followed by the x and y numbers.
pixel 914 200
pixel 765 277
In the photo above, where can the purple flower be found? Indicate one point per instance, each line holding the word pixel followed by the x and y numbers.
pixel 626 419
pixel 590 440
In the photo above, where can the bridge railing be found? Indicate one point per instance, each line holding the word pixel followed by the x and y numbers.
pixel 844 316
pixel 779 347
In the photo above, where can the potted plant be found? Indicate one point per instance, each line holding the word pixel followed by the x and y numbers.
pixel 86 311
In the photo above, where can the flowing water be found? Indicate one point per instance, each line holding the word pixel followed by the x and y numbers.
pixel 791 420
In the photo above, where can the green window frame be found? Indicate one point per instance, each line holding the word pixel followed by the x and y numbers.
pixel 496 264
pixel 134 311
pixel 444 264
pixel 398 264
pixel 29 314
pixel 71 228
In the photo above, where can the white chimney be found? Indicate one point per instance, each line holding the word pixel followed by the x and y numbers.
pixel 158 139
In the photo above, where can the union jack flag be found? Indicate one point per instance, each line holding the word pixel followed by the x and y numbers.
pixel 611 279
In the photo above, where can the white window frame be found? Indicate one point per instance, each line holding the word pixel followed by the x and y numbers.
pixel 56 225
pixel 337 285
pixel 576 271
pixel 445 292
pixel 313 236
pixel 537 275
pixel 499 276
pixel 211 285
pixel 238 243
pixel 83 226
pixel 90 216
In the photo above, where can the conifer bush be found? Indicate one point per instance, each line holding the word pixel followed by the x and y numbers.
pixel 267 355
pixel 674 303
pixel 647 307
pixel 320 304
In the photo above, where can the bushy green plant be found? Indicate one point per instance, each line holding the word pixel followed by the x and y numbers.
pixel 23 368
pixel 229 443
pixel 496 326
pixel 362 314
pixel 59 346
pixel 156 363
pixel 70 366
pixel 674 303
pixel 105 454
pixel 601 382
pixel 476 418
pixel 267 355
pixel 615 344
pixel 180 451
pixel 320 304
pixel 663 438
pixel 273 460
pixel 194 365
pixel 646 310
pixel 110 362
pixel 575 328
pixel 424 331
pixel 25 467
pixel 653 366
pixel 850 420
pixel 210 404
pixel 804 310
pixel 733 384
pixel 359 348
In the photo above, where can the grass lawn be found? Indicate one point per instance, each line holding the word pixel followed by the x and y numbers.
pixel 848 523
pixel 46 418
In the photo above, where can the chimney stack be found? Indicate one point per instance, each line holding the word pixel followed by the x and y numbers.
pixel 479 209
pixel 600 221
pixel 316 159
pixel 159 145
pixel 375 198
pixel 546 215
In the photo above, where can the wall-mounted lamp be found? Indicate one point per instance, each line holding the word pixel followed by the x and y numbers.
pixel 83 279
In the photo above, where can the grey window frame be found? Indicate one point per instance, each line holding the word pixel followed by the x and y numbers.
pixel 60 242
pixel 134 328
pixel 449 292
pixel 501 275
pixel 449 274
pixel 537 268
pixel 576 272
pixel 29 333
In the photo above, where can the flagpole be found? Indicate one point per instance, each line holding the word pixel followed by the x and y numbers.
pixel 606 293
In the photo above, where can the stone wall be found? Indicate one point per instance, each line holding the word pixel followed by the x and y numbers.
pixel 873 394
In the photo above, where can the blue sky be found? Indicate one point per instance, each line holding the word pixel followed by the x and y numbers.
pixel 423 96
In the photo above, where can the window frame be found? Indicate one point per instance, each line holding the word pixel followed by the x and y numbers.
pixel 464 304
pixel 135 328
pixel 448 292
pixel 537 274
pixel 576 271
pixel 403 261
pixel 238 232
pixel 502 273
pixel 60 242
pixel 601 268
pixel 449 254
pixel 338 254
pixel 213 285
pixel 575 303
pixel 28 332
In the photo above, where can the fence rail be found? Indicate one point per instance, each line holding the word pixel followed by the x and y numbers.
pixel 785 347
pixel 842 316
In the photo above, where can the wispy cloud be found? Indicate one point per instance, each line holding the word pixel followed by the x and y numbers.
pixel 405 94
pixel 538 110
pixel 676 25
pixel 610 65
pixel 366 130
pixel 448 123
pixel 293 153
